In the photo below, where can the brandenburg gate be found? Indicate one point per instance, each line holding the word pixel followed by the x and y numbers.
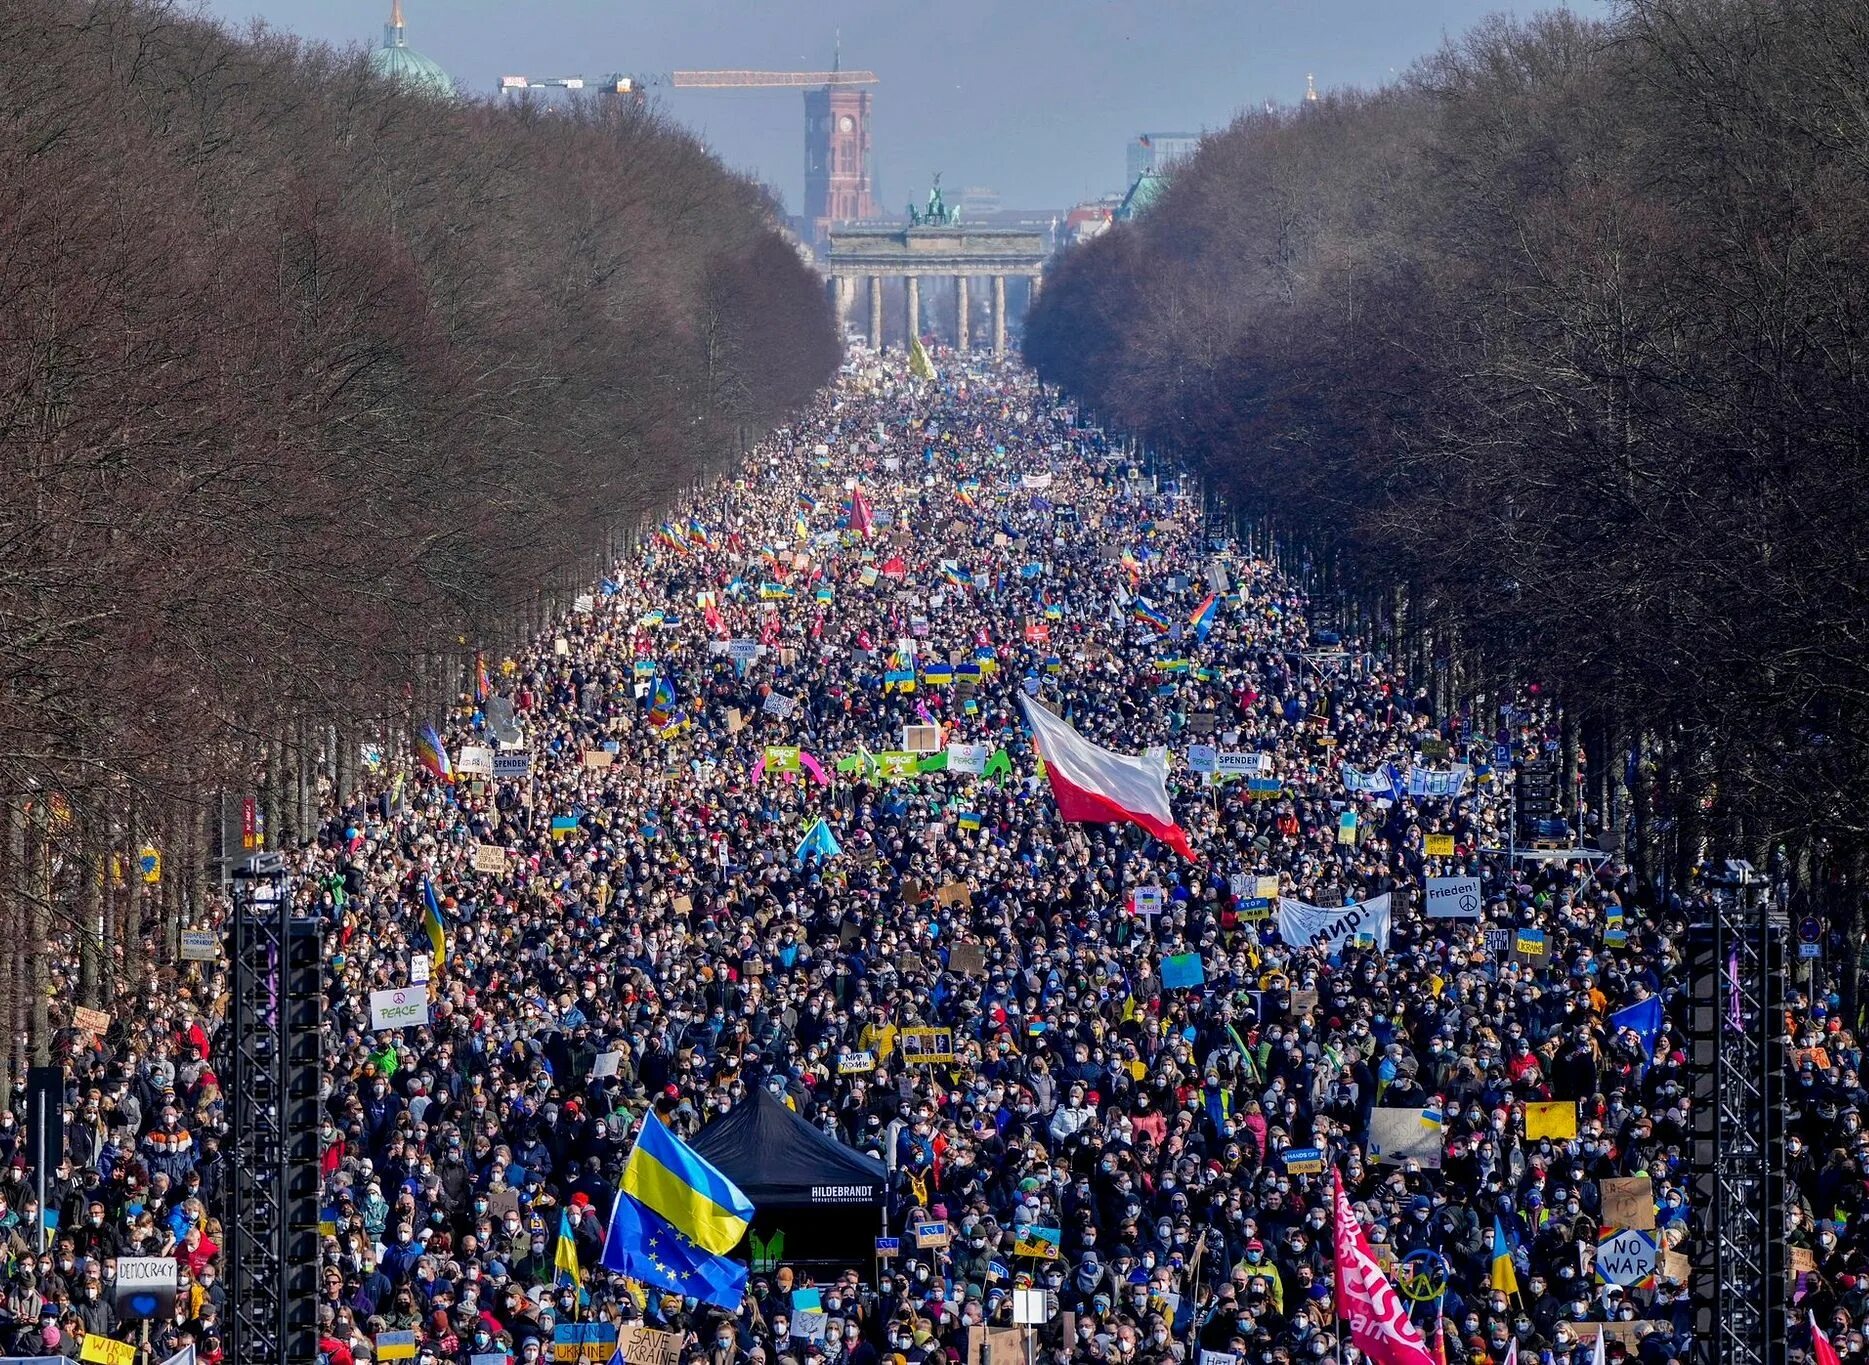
pixel 932 250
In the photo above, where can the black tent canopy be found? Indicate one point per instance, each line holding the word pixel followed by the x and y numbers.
pixel 779 1161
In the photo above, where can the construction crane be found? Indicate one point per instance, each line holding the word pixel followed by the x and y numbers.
pixel 768 80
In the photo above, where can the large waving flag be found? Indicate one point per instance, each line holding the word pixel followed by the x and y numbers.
pixel 1094 785
pixel 1645 1018
pixel 647 1248
pixel 862 519
pixel 432 754
pixel 1202 620
pixel 919 364
pixel 1146 612
pixel 666 1176
pixel 1379 1325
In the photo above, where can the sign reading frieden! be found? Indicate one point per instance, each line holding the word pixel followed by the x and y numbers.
pixel 403 1008
pixel 1453 898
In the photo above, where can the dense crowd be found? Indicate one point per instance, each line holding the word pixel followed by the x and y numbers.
pixel 1174 1144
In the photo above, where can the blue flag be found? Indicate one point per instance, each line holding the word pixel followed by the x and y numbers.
pixel 819 840
pixel 1645 1018
pixel 644 1246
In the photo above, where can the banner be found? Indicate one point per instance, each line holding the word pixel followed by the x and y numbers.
pixel 1453 898
pixel 1429 782
pixel 1379 1324
pixel 1364 924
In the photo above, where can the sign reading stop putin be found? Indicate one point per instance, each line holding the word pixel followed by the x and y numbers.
pixel 145 1288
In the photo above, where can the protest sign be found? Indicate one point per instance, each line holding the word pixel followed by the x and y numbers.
pixel 1453 898
pixel 489 858
pixel 927 1045
pixel 406 1007
pixel 1399 1135
pixel 1628 1202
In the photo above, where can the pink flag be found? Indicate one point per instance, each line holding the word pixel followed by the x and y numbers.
pixel 1379 1327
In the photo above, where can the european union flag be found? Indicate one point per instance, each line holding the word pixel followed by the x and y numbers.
pixel 646 1247
pixel 1645 1018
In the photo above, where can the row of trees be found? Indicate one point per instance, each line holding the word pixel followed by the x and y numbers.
pixel 1552 360
pixel 309 384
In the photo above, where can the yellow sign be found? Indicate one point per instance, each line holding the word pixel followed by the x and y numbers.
pixel 1440 845
pixel 149 862
pixel 104 1351
pixel 1551 1119
pixel 926 1044
pixel 1036 1246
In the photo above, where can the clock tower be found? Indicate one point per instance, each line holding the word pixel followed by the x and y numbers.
pixel 838 169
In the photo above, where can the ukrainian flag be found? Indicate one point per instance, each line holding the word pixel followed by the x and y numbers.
pixel 565 1255
pixel 670 1180
pixel 938 675
pixel 1505 1278
pixel 773 592
pixel 970 819
pixel 431 921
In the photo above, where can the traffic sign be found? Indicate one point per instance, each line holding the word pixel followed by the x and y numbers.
pixel 1811 929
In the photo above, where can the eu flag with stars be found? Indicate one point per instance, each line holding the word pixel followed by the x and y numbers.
pixel 644 1246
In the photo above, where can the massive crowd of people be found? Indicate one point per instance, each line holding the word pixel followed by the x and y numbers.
pixel 1174 1143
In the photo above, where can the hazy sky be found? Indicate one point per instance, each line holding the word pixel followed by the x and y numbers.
pixel 1034 98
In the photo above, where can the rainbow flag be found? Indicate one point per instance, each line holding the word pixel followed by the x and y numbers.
pixel 1145 612
pixel 1202 620
pixel 432 923
pixel 431 754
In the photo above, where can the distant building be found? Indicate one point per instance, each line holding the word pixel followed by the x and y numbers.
pixel 402 63
pixel 1156 152
pixel 1092 218
pixel 839 165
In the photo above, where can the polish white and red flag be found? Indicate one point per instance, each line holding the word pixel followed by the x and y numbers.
pixel 1098 786
pixel 1379 1325
pixel 1821 1350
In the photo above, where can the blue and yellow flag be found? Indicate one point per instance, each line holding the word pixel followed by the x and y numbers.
pixel 1505 1277
pixel 431 921
pixel 645 1247
pixel 565 1266
pixel 669 1179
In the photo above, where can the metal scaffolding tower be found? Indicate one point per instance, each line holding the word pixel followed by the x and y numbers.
pixel 1736 973
pixel 270 1059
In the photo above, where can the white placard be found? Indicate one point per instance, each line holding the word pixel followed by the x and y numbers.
pixel 512 764
pixel 403 1008
pixel 967 758
pixel 1453 898
pixel 200 945
pixel 778 704
pixel 474 760
pixel 744 651
pixel 1203 758
pixel 1028 1307
pixel 1331 927
pixel 1243 763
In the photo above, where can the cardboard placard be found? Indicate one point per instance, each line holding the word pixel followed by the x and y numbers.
pixel 735 721
pixel 967 959
pixel 598 758
pixel 1628 1202
pixel 954 894
pixel 682 905
pixel 932 1234
pixel 489 858
pixel 1629 1333
pixel 94 1022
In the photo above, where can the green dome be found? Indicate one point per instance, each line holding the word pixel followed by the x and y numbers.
pixel 400 62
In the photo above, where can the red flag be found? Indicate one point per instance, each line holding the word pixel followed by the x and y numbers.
pixel 1379 1327
pixel 1825 1353
pixel 861 519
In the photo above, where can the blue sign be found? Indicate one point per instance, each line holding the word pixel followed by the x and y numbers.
pixel 888 1246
